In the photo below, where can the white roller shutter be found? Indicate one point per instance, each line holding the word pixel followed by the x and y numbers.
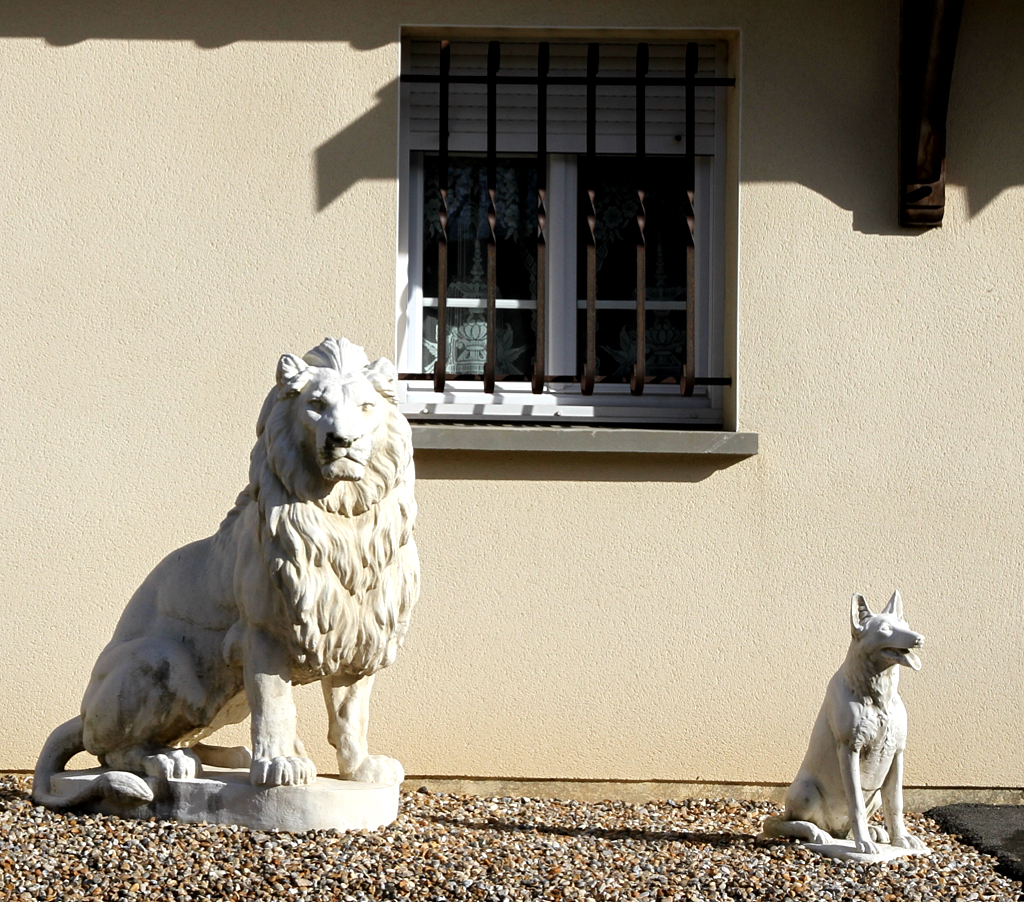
pixel 567 104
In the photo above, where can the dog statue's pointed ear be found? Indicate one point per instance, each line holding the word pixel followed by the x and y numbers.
pixel 859 612
pixel 895 605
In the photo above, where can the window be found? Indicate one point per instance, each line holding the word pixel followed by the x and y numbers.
pixel 533 203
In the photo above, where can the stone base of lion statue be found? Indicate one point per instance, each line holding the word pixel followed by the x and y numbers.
pixel 227 797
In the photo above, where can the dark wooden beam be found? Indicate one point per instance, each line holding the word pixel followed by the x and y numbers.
pixel 928 34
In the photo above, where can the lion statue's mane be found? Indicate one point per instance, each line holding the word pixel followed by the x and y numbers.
pixel 330 556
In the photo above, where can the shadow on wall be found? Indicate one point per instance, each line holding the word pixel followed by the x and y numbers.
pixel 985 142
pixel 209 23
pixel 342 160
pixel 819 82
pixel 820 108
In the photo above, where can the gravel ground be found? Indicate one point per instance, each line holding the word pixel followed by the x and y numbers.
pixel 451 847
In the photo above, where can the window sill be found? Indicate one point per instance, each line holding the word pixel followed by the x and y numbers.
pixel 438 437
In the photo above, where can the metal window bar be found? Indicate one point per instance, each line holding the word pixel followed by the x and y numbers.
pixel 636 384
pixel 687 380
pixel 441 360
pixel 686 371
pixel 543 64
pixel 589 174
pixel 493 64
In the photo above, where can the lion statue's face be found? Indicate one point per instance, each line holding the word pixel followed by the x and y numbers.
pixel 337 416
pixel 331 432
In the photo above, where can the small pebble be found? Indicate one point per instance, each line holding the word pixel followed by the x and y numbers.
pixel 453 847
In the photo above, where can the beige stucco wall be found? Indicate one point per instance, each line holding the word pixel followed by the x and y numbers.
pixel 190 189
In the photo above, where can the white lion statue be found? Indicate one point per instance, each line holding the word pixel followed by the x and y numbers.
pixel 312 576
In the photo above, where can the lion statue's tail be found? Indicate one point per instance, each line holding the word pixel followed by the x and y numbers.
pixel 120 787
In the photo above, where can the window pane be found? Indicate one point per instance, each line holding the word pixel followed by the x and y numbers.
pixel 468 231
pixel 616 234
pixel 616 342
pixel 467 341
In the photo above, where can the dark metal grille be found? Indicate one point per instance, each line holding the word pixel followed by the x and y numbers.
pixel 588 376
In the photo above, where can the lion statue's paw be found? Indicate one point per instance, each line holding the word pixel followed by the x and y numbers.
pixel 173 764
pixel 290 771
pixel 878 833
pixel 866 846
pixel 378 769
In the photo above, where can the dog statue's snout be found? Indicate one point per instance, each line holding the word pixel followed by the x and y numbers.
pixel 332 440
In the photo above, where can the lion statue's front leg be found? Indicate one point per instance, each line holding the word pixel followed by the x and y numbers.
pixel 348 711
pixel 278 756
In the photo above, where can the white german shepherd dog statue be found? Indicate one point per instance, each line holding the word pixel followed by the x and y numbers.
pixel 854 762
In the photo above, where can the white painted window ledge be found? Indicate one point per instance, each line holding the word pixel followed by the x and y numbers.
pixel 442 437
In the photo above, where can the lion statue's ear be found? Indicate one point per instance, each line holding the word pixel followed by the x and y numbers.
pixel 292 373
pixel 384 377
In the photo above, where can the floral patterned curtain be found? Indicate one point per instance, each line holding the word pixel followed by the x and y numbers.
pixel 468 232
pixel 616 234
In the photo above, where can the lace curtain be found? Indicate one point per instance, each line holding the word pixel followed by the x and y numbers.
pixel 515 232
pixel 616 233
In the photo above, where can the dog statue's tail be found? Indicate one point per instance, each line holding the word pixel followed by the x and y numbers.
pixel 120 787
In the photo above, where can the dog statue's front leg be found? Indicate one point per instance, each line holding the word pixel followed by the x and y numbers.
pixel 849 768
pixel 892 806
pixel 278 757
pixel 348 707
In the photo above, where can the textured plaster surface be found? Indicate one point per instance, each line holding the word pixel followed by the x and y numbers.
pixel 189 192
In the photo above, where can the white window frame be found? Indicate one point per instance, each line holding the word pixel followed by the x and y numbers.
pixel 610 404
